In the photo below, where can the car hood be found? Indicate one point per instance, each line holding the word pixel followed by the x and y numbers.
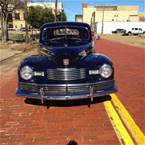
pixel 67 51
pixel 71 53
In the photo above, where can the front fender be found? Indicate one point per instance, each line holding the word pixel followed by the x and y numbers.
pixel 96 60
pixel 37 61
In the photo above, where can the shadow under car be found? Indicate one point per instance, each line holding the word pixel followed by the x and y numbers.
pixel 67 103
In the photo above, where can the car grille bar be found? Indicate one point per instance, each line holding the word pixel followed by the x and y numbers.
pixel 63 90
pixel 66 74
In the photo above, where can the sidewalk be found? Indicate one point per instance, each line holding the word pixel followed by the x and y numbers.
pixel 10 50
pixel 7 53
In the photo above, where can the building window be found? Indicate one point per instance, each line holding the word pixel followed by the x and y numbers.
pixel 10 25
pixel 17 16
pixel 24 16
pixel 10 17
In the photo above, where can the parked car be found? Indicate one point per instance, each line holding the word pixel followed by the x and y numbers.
pixel 66 68
pixel 135 31
pixel 23 29
pixel 11 29
pixel 94 35
pixel 119 31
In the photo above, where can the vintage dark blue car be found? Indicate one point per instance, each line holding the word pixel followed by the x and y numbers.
pixel 66 67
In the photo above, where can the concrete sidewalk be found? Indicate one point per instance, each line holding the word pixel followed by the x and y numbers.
pixel 7 53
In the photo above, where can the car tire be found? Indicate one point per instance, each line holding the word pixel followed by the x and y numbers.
pixel 129 33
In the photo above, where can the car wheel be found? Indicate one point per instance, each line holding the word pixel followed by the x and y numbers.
pixel 129 33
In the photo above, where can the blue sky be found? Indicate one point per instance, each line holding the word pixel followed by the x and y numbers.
pixel 72 7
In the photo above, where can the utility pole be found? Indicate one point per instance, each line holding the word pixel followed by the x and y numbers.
pixel 26 22
pixel 102 30
pixel 55 16
pixel 2 23
pixel 93 21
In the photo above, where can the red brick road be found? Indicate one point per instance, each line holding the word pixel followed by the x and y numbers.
pixel 25 124
pixel 130 76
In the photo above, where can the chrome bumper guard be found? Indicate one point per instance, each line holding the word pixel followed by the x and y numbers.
pixel 69 96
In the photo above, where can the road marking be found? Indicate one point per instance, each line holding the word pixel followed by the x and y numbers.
pixel 125 127
pixel 118 126
pixel 128 120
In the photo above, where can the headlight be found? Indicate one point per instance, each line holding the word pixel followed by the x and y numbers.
pixel 26 73
pixel 105 71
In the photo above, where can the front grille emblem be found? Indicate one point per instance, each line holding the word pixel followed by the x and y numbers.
pixel 65 61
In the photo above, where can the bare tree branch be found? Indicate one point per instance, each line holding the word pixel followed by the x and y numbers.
pixel 6 7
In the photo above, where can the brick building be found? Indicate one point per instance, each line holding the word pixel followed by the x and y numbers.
pixel 110 13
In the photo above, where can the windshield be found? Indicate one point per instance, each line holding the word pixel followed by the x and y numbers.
pixel 66 36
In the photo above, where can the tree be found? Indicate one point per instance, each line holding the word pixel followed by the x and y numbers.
pixel 6 7
pixel 61 16
pixel 37 16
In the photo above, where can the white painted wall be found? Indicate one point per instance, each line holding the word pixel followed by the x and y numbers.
pixel 111 26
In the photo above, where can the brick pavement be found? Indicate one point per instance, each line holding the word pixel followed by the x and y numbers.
pixel 130 76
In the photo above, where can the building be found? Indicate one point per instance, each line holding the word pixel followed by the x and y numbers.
pixel 142 17
pixel 16 19
pixel 105 13
pixel 105 19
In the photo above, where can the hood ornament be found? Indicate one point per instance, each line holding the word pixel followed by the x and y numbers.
pixel 65 61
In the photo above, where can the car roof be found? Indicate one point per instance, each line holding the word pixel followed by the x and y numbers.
pixel 55 24
pixel 62 24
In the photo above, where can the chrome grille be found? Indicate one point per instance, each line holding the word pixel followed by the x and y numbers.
pixel 66 74
pixel 65 90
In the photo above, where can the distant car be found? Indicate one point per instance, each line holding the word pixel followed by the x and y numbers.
pixel 23 29
pixel 36 30
pixel 94 35
pixel 135 31
pixel 66 68
pixel 97 37
pixel 119 31
pixel 11 29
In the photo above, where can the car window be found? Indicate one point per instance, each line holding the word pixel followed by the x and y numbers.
pixel 67 31
pixel 66 36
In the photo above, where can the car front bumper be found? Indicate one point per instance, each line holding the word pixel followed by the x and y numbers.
pixel 66 91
